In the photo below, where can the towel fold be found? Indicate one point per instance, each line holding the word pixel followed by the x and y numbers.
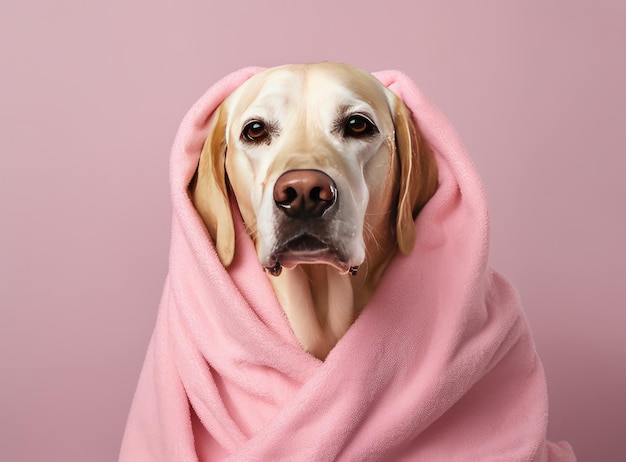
pixel 440 365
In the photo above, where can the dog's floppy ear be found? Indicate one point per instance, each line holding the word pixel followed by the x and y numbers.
pixel 418 175
pixel 209 191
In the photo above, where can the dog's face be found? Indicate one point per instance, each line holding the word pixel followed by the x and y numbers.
pixel 321 159
pixel 309 154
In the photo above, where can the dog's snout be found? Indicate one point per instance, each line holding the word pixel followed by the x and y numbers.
pixel 305 193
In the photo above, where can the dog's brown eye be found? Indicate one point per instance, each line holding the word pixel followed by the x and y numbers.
pixel 358 126
pixel 254 131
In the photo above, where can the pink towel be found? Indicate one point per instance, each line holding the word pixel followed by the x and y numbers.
pixel 440 366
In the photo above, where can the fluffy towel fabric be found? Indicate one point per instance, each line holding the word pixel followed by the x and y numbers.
pixel 440 366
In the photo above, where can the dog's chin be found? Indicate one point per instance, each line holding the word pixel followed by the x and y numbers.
pixel 308 249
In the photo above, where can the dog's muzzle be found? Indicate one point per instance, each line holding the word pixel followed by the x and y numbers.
pixel 308 199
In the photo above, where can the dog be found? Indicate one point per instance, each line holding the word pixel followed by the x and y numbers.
pixel 329 171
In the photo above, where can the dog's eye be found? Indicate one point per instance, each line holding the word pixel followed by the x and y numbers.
pixel 359 126
pixel 254 131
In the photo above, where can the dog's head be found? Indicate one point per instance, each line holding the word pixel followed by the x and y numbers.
pixel 323 161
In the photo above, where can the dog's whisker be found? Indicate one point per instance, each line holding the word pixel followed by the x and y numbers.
pixel 379 214
pixel 368 232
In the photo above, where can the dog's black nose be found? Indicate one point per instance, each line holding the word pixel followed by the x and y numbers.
pixel 305 193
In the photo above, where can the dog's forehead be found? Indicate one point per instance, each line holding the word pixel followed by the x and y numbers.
pixel 326 85
pixel 268 88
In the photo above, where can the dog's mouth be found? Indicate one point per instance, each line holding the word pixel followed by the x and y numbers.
pixel 307 248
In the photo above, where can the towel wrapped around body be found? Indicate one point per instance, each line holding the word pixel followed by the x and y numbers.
pixel 440 365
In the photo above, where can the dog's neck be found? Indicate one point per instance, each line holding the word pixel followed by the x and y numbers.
pixel 321 303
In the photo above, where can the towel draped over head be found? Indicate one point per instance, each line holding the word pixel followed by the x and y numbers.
pixel 440 365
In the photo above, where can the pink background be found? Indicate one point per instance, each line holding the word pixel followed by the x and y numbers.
pixel 91 97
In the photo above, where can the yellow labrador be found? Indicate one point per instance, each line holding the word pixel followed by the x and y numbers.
pixel 329 171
